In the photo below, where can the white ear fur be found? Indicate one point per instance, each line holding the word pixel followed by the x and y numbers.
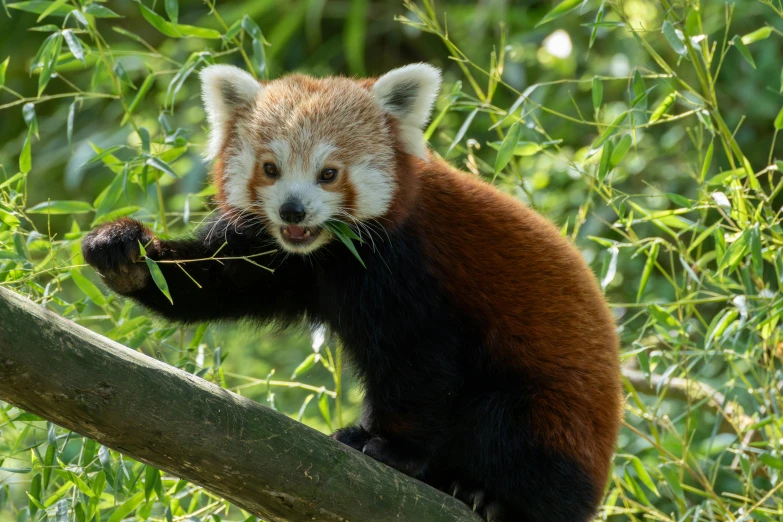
pixel 224 88
pixel 408 94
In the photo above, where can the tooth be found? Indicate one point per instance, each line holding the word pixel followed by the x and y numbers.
pixel 307 233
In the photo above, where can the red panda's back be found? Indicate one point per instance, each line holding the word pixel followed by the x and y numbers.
pixel 544 311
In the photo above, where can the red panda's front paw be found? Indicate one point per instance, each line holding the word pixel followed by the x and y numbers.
pixel 113 250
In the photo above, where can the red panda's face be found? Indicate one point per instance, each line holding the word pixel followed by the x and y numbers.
pixel 300 151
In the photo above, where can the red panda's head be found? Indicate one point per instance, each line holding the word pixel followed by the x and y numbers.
pixel 299 151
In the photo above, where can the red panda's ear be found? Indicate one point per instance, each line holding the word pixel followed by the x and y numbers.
pixel 224 89
pixel 408 94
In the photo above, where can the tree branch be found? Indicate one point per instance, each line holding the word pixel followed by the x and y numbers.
pixel 263 462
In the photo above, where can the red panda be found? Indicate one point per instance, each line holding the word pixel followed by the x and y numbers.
pixel 486 350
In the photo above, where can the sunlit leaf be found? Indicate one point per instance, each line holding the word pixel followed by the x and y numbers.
pixel 305 365
pixel 642 474
pixel 88 288
pixel 649 265
pixel 759 34
pixel 779 120
pixel 127 507
pixel 8 218
pixel 159 23
pixel 60 207
pixel 661 109
pixel 39 6
pixel 198 32
pixel 3 68
pixel 74 45
pixel 161 165
pixel 99 11
pixel 736 251
pixel 57 4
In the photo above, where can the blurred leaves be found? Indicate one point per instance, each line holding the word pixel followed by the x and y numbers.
pixel 634 126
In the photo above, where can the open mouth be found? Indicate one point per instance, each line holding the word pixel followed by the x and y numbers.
pixel 299 236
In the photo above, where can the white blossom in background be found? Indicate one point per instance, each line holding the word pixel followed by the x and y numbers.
pixel 558 44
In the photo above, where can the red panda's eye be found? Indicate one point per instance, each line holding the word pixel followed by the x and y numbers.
pixel 270 169
pixel 328 174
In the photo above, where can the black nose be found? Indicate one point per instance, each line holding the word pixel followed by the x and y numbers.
pixel 292 212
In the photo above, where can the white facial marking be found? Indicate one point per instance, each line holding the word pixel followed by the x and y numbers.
pixel 374 190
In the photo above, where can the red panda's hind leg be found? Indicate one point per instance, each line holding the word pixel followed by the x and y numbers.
pixel 410 462
pixel 353 436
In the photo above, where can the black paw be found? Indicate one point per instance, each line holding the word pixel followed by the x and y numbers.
pixel 113 250
pixel 353 436
pixel 408 462
pixel 479 501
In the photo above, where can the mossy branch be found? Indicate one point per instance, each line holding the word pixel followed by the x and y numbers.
pixel 262 461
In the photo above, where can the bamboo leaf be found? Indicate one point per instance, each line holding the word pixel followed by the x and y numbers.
pixel 305 365
pixel 60 207
pixel 127 507
pixel 647 271
pixel 157 275
pixel 598 93
pixel 462 130
pixel 51 8
pixel 323 405
pixel 756 251
pixel 779 120
pixel 737 41
pixel 674 40
pixel 74 45
pixel 39 6
pixel 669 472
pixel 608 132
pixel 99 11
pixel 158 22
pixel 561 9
pixel 346 235
pixel 759 34
pixel 26 158
pixel 507 148
pixel 88 288
pixel 705 167
pixel 3 68
pixel 642 474
pixel 172 10
pixel 661 109
pixel 620 150
pixel 161 165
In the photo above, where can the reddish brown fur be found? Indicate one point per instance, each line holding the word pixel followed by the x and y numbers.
pixel 544 310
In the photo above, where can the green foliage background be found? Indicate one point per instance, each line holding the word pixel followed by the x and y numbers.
pixel 647 130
